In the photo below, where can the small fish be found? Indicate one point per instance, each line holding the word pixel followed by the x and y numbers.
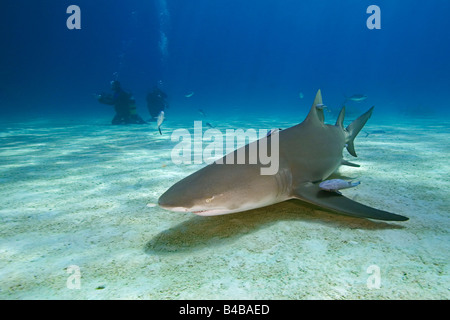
pixel 321 106
pixel 202 112
pixel 209 125
pixel 301 95
pixel 334 185
pixel 356 98
pixel 374 132
pixel 189 95
pixel 160 120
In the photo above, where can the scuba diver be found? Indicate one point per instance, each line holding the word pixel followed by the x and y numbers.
pixel 156 102
pixel 124 105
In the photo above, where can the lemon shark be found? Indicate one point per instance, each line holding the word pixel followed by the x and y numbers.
pixel 308 154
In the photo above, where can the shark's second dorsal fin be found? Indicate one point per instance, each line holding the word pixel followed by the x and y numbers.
pixel 315 115
pixel 340 119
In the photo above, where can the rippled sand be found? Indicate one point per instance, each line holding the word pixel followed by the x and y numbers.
pixel 75 193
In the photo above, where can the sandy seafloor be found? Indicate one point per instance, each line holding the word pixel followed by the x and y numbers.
pixel 76 193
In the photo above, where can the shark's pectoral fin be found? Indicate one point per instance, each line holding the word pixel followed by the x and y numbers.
pixel 310 192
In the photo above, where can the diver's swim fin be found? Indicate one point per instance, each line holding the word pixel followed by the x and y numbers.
pixel 310 192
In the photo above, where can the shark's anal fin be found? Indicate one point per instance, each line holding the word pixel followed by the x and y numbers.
pixel 310 192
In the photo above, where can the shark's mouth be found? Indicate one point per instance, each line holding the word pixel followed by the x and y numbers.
pixel 175 209
pixel 200 212
pixel 211 212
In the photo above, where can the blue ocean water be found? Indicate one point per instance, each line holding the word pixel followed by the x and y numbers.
pixel 252 55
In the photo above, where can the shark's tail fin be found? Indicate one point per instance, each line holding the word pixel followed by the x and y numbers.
pixel 354 128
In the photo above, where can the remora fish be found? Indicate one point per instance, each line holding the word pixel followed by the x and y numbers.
pixel 160 120
pixel 334 185
pixel 308 154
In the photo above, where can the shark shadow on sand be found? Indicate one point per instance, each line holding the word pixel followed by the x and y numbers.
pixel 198 232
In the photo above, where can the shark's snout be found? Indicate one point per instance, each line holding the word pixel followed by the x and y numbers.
pixel 197 193
pixel 215 190
pixel 170 202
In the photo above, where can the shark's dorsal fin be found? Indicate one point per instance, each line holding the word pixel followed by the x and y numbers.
pixel 318 98
pixel 315 115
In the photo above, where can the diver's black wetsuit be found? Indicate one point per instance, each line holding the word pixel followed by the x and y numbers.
pixel 156 102
pixel 124 105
